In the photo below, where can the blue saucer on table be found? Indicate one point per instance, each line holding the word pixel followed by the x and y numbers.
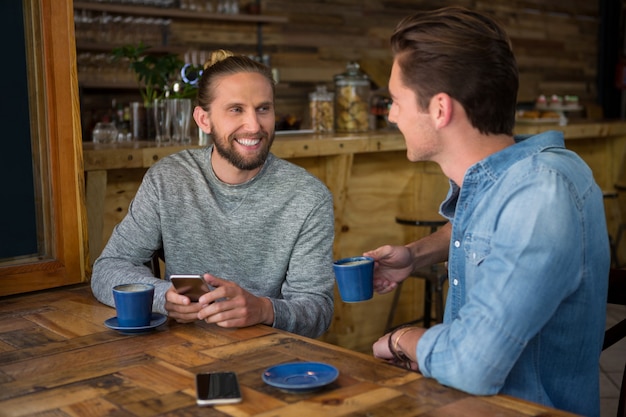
pixel 156 320
pixel 300 377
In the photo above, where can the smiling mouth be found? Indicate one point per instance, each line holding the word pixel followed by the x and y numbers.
pixel 248 142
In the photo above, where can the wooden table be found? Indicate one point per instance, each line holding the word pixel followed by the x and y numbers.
pixel 57 358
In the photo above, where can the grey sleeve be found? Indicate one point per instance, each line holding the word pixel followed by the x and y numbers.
pixel 133 243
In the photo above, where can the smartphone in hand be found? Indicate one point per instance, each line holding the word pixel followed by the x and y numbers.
pixel 193 286
pixel 217 388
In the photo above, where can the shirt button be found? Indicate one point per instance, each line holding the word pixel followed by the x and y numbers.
pixel 455 282
pixel 457 244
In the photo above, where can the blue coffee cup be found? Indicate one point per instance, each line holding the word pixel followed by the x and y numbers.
pixel 133 303
pixel 355 278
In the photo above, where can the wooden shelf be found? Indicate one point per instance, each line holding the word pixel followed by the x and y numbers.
pixel 283 88
pixel 177 13
pixel 108 47
pixel 93 87
pixel 108 85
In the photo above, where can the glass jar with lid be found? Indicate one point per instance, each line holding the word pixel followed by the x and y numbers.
pixel 352 90
pixel 322 112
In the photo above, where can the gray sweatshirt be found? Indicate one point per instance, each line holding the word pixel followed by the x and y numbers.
pixel 272 235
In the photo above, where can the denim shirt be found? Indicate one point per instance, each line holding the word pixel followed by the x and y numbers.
pixel 528 270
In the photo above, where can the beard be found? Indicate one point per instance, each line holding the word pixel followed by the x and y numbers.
pixel 226 149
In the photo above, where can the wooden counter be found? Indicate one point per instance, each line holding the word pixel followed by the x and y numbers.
pixel 57 358
pixel 371 181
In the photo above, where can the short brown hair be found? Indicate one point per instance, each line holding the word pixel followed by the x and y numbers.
pixel 464 54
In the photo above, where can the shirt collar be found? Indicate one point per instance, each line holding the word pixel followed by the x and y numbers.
pixel 525 146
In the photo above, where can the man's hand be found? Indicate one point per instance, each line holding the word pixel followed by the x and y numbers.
pixel 180 308
pixel 392 265
pixel 229 305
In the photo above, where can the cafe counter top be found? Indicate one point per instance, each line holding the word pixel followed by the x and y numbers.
pixel 371 180
pixel 301 145
pixel 57 358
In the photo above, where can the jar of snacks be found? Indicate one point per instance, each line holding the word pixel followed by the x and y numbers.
pixel 321 108
pixel 352 90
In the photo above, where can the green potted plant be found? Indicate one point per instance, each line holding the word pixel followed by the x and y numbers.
pixel 154 73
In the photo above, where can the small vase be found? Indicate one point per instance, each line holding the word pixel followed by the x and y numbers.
pixel 150 124
pixel 162 122
pixel 138 120
pixel 180 111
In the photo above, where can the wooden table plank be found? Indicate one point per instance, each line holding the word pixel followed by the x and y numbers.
pixel 59 359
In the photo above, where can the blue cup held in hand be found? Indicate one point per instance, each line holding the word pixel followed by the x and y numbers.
pixel 133 303
pixel 355 278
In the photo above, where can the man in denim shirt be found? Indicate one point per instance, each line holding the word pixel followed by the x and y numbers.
pixel 526 243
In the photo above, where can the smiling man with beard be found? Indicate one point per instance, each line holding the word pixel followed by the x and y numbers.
pixel 259 229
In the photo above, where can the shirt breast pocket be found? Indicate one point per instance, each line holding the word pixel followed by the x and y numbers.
pixel 477 248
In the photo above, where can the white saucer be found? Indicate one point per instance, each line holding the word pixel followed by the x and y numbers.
pixel 156 320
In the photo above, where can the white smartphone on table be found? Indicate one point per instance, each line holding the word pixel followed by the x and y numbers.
pixel 214 388
pixel 193 286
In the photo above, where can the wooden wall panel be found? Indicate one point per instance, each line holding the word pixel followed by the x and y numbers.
pixel 556 43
